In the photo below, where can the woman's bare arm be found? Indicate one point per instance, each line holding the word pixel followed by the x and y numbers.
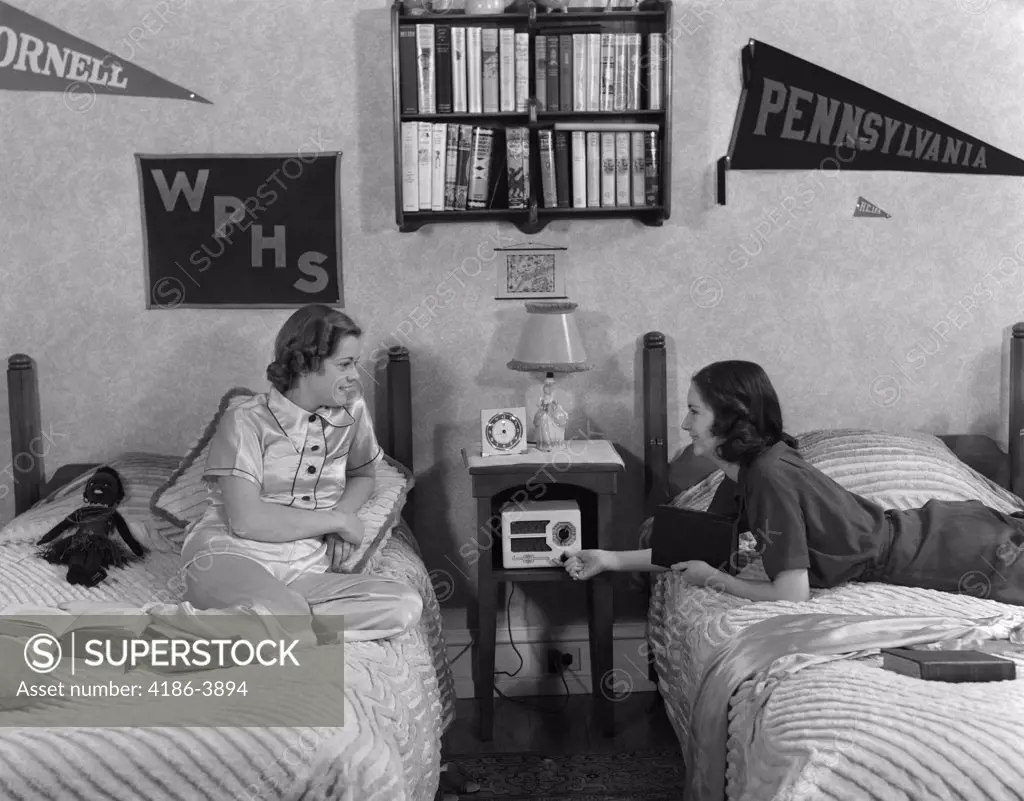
pixel 789 585
pixel 639 561
pixel 254 519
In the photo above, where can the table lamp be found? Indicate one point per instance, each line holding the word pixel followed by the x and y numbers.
pixel 549 343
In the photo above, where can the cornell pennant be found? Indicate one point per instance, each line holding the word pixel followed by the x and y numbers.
pixel 26 53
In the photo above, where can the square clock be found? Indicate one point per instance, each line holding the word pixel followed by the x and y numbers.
pixel 503 431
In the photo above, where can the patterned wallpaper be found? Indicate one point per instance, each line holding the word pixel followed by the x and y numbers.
pixel 860 322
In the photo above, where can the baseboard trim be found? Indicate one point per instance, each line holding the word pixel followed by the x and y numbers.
pixel 629 667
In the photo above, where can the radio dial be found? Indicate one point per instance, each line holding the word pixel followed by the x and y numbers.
pixel 564 534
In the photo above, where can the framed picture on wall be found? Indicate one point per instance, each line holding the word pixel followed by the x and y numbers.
pixel 531 270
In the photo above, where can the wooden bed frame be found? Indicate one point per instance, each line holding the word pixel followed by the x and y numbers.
pixel 977 450
pixel 27 448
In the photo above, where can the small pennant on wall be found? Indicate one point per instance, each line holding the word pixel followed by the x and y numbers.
pixel 865 208
pixel 36 56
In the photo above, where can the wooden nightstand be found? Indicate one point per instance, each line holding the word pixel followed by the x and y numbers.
pixel 586 471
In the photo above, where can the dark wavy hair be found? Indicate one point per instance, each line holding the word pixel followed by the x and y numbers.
pixel 746 409
pixel 308 337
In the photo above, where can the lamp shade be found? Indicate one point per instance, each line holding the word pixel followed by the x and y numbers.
pixel 550 341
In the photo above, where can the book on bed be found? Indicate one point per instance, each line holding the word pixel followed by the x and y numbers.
pixel 683 535
pixel 26 620
pixel 955 666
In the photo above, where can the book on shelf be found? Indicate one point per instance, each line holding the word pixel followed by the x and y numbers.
pixel 470 67
pixel 507 69
pixel 474 70
pixel 463 167
pixel 480 168
pixel 443 89
pixel 548 181
pixel 591 164
pixel 424 145
pixel 455 167
pixel 522 72
pixel 563 172
pixel 448 166
pixel 517 143
pixel 540 70
pixel 491 66
pixel 954 666
pixel 565 72
pixel 552 73
pixel 458 71
pixel 598 71
pixel 446 68
pixel 425 69
pixel 438 165
pixel 655 70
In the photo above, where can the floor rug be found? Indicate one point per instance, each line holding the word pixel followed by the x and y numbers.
pixel 638 776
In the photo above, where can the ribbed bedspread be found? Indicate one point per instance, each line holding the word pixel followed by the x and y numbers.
pixel 398 695
pixel 845 729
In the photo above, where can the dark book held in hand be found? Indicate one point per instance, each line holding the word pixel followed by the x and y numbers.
pixel 948 665
pixel 684 535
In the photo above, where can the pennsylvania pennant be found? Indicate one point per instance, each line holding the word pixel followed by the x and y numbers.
pixel 794 115
pixel 38 57
pixel 866 208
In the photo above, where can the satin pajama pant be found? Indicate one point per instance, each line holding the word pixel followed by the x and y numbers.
pixel 222 578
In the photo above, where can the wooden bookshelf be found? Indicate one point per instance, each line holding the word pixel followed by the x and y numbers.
pixel 630 94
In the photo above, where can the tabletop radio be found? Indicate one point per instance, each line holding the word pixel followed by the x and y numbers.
pixel 534 533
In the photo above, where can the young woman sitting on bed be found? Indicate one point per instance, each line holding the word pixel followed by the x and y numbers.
pixel 810 531
pixel 287 471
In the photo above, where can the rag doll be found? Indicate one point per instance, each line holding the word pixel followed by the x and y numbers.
pixel 84 540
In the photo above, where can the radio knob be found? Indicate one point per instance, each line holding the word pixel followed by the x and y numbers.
pixel 564 534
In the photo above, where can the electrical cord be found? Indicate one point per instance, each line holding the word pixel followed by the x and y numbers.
pixel 561 669
pixel 508 622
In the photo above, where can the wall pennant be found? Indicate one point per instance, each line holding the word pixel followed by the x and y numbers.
pixel 36 56
pixel 865 208
pixel 794 115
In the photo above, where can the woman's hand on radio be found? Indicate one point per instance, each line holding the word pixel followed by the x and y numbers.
pixel 587 564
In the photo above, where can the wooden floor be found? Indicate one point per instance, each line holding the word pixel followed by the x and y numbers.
pixel 560 725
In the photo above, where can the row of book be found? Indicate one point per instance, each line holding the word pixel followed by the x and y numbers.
pixel 454 69
pixel 455 167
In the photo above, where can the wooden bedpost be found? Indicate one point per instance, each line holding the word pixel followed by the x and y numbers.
pixel 655 383
pixel 27 446
pixel 1016 431
pixel 399 405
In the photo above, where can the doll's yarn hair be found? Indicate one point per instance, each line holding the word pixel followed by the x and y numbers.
pixel 748 418
pixel 308 337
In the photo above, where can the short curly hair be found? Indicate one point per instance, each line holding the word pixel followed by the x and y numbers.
pixel 308 337
pixel 748 418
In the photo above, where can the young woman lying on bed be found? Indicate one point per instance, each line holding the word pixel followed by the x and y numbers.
pixel 287 471
pixel 810 531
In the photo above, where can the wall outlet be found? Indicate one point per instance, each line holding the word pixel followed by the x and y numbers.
pixel 563 659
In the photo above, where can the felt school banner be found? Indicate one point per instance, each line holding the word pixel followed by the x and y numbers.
pixel 796 115
pixel 229 231
pixel 36 56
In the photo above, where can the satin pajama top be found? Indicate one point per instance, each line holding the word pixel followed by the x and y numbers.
pixel 294 457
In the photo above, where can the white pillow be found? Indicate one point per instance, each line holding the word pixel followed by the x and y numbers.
pixel 182 500
pixel 141 473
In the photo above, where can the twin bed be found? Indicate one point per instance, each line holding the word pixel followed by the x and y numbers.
pixel 398 694
pixel 832 726
pixel 758 719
